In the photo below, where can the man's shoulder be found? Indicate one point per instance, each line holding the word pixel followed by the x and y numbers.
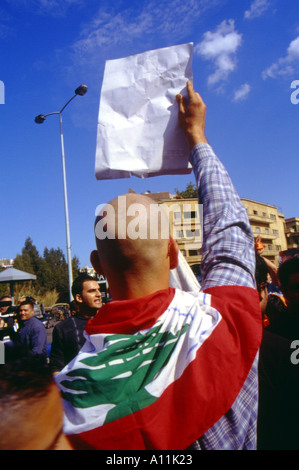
pixel 63 324
pixel 35 324
pixel 69 323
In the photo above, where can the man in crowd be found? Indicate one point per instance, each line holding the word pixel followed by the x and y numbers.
pixel 5 304
pixel 162 368
pixel 6 316
pixel 68 335
pixel 278 411
pixel 31 333
pixel 283 313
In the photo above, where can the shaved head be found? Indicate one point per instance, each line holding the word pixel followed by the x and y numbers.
pixel 132 237
pixel 132 232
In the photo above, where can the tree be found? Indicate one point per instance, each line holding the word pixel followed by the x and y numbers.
pixel 51 270
pixel 189 192
pixel 56 272
pixel 30 260
pixel 75 267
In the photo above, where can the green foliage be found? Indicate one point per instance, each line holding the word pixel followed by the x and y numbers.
pixel 51 270
pixel 189 192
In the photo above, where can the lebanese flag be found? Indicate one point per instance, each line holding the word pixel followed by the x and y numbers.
pixel 158 372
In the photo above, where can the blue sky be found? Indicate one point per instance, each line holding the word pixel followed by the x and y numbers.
pixel 246 56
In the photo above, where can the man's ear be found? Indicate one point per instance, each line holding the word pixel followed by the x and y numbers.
pixel 78 299
pixel 94 259
pixel 173 252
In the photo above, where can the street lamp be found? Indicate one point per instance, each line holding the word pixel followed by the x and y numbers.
pixel 81 90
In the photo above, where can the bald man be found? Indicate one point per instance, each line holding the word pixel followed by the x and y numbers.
pixel 162 368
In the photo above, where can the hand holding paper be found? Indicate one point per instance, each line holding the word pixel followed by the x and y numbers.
pixel 192 116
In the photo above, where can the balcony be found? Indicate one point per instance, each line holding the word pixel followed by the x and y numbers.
pixel 271 252
pixel 292 232
pixel 293 245
pixel 260 219
pixel 266 236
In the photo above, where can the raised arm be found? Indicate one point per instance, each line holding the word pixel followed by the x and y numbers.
pixel 228 246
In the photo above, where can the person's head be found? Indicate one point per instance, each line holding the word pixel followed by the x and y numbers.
pixel 30 404
pixel 134 249
pixel 26 309
pixel 261 278
pixel 5 303
pixel 288 275
pixel 87 294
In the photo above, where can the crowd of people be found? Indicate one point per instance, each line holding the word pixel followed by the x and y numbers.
pixel 160 368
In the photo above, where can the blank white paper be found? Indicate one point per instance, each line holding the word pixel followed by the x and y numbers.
pixel 138 132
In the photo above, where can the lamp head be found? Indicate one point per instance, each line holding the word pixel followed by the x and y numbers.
pixel 81 90
pixel 40 119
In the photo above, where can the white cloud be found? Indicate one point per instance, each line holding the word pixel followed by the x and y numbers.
pixel 257 8
pixel 164 18
pixel 242 93
pixel 220 48
pixel 285 65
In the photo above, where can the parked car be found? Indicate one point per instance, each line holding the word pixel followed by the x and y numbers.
pixel 60 311
pixel 48 320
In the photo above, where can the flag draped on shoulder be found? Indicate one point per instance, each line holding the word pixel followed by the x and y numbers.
pixel 151 367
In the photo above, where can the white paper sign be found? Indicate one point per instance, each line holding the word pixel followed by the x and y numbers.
pixel 138 131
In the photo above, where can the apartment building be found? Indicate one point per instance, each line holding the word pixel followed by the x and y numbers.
pixel 185 227
pixel 6 263
pixel 268 222
pixel 292 232
pixel 185 220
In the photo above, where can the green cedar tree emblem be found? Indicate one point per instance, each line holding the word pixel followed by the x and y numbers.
pixel 118 374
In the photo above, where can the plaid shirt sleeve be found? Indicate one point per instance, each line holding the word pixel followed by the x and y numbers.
pixel 228 258
pixel 228 245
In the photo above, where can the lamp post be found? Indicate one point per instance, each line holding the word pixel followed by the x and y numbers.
pixel 81 90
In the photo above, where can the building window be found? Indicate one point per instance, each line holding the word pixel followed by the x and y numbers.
pixel 179 234
pixel 267 231
pixel 255 212
pixel 193 252
pixel 264 214
pixel 257 229
pixel 276 232
pixel 273 216
pixel 190 215
pixel 177 215
pixel 192 233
